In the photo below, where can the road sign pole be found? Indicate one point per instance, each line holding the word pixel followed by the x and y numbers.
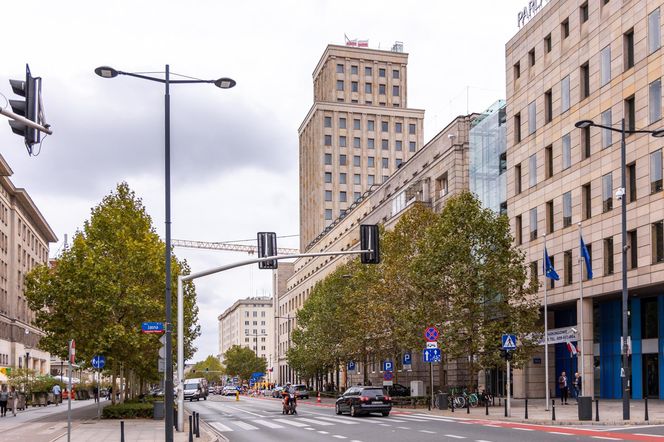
pixel 98 397
pixel 509 408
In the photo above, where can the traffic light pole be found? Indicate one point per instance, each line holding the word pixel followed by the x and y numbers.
pixel 180 302
pixel 12 116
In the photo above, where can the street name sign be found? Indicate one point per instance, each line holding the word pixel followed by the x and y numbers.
pixel 431 355
pixel 152 327
pixel 509 342
pixel 98 362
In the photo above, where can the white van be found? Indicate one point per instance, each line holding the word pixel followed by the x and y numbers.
pixel 196 388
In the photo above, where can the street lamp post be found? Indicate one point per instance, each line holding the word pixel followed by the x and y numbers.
pixel 288 317
pixel 223 83
pixel 621 194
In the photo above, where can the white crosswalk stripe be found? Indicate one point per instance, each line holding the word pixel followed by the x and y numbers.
pixel 339 420
pixel 314 421
pixel 221 427
pixel 291 422
pixel 267 423
pixel 245 426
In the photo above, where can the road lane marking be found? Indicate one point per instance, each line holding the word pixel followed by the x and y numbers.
pixel 403 428
pixel 339 436
pixel 245 411
pixel 492 426
pixel 604 437
pixel 434 419
pixel 323 432
pixel 560 433
pixel 267 423
pixel 523 429
pixel 482 440
pixel 338 420
pixel 220 426
pixel 427 431
pixel 309 428
pixel 245 426
pixel 649 435
pixel 314 421
pixel 454 436
pixel 293 423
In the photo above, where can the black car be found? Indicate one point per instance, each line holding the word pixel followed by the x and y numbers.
pixel 397 390
pixel 364 400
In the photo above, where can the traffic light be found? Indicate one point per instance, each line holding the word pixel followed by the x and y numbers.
pixel 193 370
pixel 29 108
pixel 369 241
pixel 207 369
pixel 506 354
pixel 267 246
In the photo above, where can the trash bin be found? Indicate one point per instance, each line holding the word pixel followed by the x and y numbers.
pixel 442 401
pixel 158 410
pixel 585 408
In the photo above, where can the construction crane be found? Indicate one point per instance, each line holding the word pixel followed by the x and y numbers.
pixel 226 246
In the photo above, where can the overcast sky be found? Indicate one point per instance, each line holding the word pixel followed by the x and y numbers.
pixel 234 152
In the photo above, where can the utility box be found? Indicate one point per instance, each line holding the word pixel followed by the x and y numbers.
pixel 442 401
pixel 417 388
pixel 585 408
pixel 158 410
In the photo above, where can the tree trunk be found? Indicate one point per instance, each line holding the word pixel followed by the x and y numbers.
pixel 114 373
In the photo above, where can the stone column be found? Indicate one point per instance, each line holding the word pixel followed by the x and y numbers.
pixel 588 348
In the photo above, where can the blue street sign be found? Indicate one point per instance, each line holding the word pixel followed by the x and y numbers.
pixel 257 375
pixel 351 365
pixel 431 334
pixel 431 355
pixel 509 342
pixel 152 327
pixel 407 359
pixel 98 362
pixel 388 366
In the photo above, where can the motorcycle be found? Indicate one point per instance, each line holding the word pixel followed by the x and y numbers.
pixel 289 404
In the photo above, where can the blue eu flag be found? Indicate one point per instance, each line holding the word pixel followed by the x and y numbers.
pixel 549 271
pixel 586 258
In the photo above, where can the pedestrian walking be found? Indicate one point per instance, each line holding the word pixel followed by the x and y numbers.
pixel 4 397
pixel 13 399
pixel 110 392
pixel 577 386
pixel 95 391
pixel 57 393
pixel 564 388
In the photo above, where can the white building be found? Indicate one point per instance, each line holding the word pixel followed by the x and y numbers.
pixel 248 323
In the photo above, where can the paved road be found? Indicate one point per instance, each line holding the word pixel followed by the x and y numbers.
pixel 260 419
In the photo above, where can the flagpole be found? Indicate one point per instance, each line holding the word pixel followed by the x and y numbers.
pixel 580 323
pixel 546 336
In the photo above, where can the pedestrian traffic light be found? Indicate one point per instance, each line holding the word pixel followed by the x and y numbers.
pixel 267 246
pixel 207 369
pixel 29 108
pixel 369 241
pixel 505 354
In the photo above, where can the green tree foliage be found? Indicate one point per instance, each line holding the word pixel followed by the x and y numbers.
pixel 457 268
pixel 242 362
pixel 209 368
pixel 105 285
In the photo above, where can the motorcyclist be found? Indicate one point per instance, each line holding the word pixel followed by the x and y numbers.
pixel 287 392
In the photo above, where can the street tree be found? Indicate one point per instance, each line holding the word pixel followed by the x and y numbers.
pixel 209 368
pixel 243 362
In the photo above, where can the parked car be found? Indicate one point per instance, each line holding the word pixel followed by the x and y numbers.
pixel 277 392
pixel 364 400
pixel 397 390
pixel 301 391
pixel 229 390
pixel 195 389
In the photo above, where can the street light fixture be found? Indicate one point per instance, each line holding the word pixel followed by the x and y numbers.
pixel 659 133
pixel 223 83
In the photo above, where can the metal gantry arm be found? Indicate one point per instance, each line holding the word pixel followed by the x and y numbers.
pixel 212 271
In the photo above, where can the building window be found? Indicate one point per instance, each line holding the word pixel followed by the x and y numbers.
pixel 398 162
pixel 518 230
pixel 567 209
pixel 517 70
pixel 356 195
pixel 654 31
pixel 631 182
pixel 547 43
pixel 367 88
pixel 531 57
pixel 342 160
pixel 517 179
pixel 532 117
pixel 585 80
pixel 381 72
pixel 605 66
pixel 567 267
pixel 340 85
pixel 342 178
pixel 411 146
pixel 398 127
pixel 630 110
pixel 532 170
pixel 533 223
pixel 517 127
pixel 367 71
pixel 633 261
pixel 564 94
pixel 655 100
pixel 328 159
pixel 607 192
pixel 586 212
pixel 385 162
pixel 607 138
pixel 342 141
pixel 628 49
pixel 370 162
pixel 395 91
pixel 356 161
pixel 371 144
pixel 411 129
pixel 566 151
pixel 357 179
pixel 370 180
pixel 385 144
pixel 395 73
pixel 327 121
pixel 564 28
pixel 342 197
pixel 384 126
pixel 585 143
pixel 656 171
pixel 356 142
pixel 328 140
pixel 328 177
pixel 533 274
pixel 650 319
pixel 340 69
pixel 548 162
pixel 548 106
pixel 357 124
pixel 370 125
pixel 328 214
pixel 381 89
pixel 550 223
pixel 583 12
pixel 658 242
pixel 354 87
pixel 398 145
pixel 608 256
pixel 353 70
pixel 328 197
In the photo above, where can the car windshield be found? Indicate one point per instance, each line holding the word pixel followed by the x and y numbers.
pixel 190 386
pixel 300 387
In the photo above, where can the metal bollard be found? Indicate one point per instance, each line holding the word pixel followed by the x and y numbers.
pixel 468 405
pixel 526 416
pixel 191 429
pixel 486 407
pixel 505 407
pixel 646 417
pixel 493 401
pixel 122 438
pixel 553 409
pixel 596 410
pixel 452 403
pixel 198 425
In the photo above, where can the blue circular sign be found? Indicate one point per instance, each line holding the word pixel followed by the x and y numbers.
pixel 98 362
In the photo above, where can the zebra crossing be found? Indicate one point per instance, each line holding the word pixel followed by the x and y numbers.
pixel 312 420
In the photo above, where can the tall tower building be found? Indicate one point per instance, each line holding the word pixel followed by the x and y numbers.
pixel 357 133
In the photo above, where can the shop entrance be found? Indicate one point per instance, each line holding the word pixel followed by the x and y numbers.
pixel 651 375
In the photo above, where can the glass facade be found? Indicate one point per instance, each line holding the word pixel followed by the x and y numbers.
pixel 488 165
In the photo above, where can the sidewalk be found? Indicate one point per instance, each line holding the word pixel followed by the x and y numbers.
pixel 610 412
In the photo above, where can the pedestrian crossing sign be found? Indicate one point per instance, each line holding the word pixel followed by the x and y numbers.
pixel 509 342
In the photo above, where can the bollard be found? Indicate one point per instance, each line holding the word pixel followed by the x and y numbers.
pixel 122 439
pixel 646 417
pixel 486 407
pixel 452 402
pixel 505 402
pixel 500 404
pixel 318 398
pixel 237 396
pixel 493 401
pixel 526 416
pixel 191 429
pixel 553 409
pixel 468 405
pixel 175 418
pixel 596 410
pixel 198 425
